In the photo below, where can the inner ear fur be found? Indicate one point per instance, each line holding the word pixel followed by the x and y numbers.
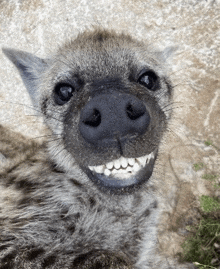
pixel 30 68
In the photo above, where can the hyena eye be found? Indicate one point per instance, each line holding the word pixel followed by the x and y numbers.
pixel 149 79
pixel 63 93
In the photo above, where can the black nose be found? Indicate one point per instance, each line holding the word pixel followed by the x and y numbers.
pixel 107 118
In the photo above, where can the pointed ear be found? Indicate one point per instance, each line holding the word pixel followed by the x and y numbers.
pixel 30 68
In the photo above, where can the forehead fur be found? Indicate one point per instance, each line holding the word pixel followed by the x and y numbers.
pixel 99 39
pixel 93 51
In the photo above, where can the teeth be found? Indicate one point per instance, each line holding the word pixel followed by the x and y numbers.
pixel 107 172
pixel 136 167
pixel 124 162
pixel 123 167
pixel 149 157
pixel 131 161
pixel 117 164
pixel 110 165
pixel 142 160
pixel 98 169
pixel 129 169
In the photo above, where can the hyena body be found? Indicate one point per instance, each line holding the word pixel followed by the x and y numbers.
pixel 87 198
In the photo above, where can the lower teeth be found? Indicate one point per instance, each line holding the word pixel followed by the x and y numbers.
pixel 122 166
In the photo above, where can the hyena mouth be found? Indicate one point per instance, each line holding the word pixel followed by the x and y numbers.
pixel 123 173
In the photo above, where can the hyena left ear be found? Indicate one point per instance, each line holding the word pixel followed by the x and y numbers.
pixel 30 68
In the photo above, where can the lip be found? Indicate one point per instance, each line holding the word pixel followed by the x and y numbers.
pixel 124 174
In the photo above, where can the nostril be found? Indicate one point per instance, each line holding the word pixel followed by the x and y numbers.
pixel 94 119
pixel 134 112
pixel 109 118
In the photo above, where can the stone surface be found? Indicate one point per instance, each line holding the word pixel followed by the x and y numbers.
pixel 40 26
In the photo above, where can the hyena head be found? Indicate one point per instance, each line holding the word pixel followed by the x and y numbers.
pixel 104 98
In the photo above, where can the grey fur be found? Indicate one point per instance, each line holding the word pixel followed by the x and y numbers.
pixel 52 215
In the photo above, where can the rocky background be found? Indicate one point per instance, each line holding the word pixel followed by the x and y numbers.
pixel 193 26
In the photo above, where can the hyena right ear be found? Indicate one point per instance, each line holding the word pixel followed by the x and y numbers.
pixel 167 53
pixel 30 68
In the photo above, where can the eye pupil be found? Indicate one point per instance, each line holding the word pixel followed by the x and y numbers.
pixel 149 79
pixel 63 93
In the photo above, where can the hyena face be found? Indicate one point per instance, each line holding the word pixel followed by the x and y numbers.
pixel 103 96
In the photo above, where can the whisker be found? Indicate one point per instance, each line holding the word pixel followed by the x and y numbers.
pixel 171 104
pixel 57 153
pixel 179 84
pixel 55 139
pixel 35 109
pixel 184 68
pixel 42 136
pixel 31 107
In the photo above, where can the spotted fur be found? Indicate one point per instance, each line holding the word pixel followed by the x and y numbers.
pixel 51 214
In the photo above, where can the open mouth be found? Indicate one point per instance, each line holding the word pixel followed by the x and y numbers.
pixel 123 173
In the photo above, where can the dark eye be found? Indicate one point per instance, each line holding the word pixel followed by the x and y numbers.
pixel 63 93
pixel 149 79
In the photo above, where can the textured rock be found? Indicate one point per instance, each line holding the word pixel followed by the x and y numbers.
pixel 40 26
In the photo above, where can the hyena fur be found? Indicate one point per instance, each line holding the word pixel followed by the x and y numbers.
pixel 86 197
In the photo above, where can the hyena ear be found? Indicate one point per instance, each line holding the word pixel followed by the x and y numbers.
pixel 30 68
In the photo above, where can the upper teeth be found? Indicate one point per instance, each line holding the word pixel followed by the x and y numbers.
pixel 123 167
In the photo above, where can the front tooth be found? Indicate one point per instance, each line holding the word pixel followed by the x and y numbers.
pixel 107 172
pixel 131 161
pixel 117 172
pixel 114 171
pixel 123 171
pixel 109 165
pixel 129 169
pixel 136 167
pixel 124 162
pixel 99 169
pixel 117 164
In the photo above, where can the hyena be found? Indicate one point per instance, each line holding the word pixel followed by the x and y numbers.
pixel 86 197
